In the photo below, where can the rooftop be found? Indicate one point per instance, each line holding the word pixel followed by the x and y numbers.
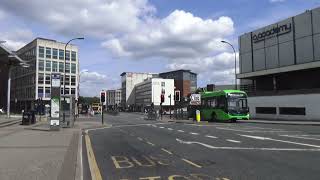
pixel 179 70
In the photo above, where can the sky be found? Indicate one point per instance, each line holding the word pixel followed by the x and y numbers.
pixel 144 35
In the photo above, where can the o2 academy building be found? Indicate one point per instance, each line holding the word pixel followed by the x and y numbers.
pixel 280 68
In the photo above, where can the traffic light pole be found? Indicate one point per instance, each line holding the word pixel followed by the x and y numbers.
pixel 170 106
pixel 102 121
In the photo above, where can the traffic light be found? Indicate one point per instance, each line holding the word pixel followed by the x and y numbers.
pixel 177 95
pixel 103 97
pixel 162 98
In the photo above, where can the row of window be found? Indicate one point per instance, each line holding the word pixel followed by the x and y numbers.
pixel 23 93
pixel 46 79
pixel 55 66
pixel 56 53
pixel 46 92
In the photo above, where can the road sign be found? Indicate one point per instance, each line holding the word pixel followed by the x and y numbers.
pixel 195 99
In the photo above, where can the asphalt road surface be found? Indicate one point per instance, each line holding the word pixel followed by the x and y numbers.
pixel 130 148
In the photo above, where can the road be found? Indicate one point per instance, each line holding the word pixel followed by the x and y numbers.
pixel 131 148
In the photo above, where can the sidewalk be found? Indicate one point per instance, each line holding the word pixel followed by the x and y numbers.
pixel 286 122
pixel 34 152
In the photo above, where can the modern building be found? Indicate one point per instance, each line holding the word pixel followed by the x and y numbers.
pixel 45 57
pixel 185 81
pixel 279 68
pixel 128 82
pixel 150 91
pixel 114 97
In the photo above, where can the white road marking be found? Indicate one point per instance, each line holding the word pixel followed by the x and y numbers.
pixel 161 127
pixel 191 163
pixel 180 130
pixel 140 139
pixel 170 129
pixel 150 143
pixel 213 137
pixel 245 148
pixel 252 131
pixel 278 140
pixel 301 137
pixel 154 126
pixel 234 141
pixel 166 151
pixel 194 133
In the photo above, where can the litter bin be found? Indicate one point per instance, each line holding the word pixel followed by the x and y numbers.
pixel 26 118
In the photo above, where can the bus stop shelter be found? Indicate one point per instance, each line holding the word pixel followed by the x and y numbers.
pixel 8 59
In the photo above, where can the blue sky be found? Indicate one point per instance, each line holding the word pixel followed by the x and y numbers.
pixel 144 36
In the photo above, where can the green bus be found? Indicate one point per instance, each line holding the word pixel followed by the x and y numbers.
pixel 224 105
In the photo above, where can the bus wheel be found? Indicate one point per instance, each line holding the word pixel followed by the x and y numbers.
pixel 214 117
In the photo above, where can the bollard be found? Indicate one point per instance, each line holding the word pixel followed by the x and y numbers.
pixel 198 117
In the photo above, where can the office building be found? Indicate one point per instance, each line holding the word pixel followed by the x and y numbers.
pixel 150 91
pixel 279 68
pixel 45 57
pixel 128 82
pixel 114 97
pixel 185 81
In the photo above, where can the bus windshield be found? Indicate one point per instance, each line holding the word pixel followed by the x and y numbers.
pixel 237 101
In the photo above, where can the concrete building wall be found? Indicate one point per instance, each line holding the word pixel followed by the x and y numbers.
pixel 308 101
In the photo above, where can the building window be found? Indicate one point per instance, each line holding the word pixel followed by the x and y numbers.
pixel 47 92
pixel 73 80
pixel 48 66
pixel 41 65
pixel 66 91
pixel 73 91
pixel 73 68
pixel 40 78
pixel 292 111
pixel 61 66
pixel 266 110
pixel 41 51
pixel 67 55
pixel 55 53
pixel 67 80
pixel 61 54
pixel 73 56
pixel 40 92
pixel 48 52
pixel 61 91
pixel 48 79
pixel 54 66
pixel 61 79
pixel 67 68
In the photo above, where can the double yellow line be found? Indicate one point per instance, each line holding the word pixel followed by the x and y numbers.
pixel 94 169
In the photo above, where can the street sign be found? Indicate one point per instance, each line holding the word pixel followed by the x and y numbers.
pixel 195 99
pixel 55 80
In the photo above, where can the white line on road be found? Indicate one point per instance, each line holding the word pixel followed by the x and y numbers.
pixel 180 130
pixel 213 137
pixel 154 126
pixel 252 131
pixel 150 143
pixel 191 163
pixel 301 137
pixel 245 148
pixel 161 127
pixel 140 139
pixel 170 129
pixel 194 133
pixel 166 151
pixel 234 141
pixel 278 140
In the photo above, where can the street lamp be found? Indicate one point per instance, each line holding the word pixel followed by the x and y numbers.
pixel 235 63
pixel 64 77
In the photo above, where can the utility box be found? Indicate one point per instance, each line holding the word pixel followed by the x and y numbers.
pixel 68 109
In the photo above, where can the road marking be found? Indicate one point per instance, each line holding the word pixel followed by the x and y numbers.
pixel 94 169
pixel 191 163
pixel 300 137
pixel 180 130
pixel 231 140
pixel 194 133
pixel 253 131
pixel 278 140
pixel 140 139
pixel 213 137
pixel 154 126
pixel 166 151
pixel 170 129
pixel 245 148
pixel 150 143
pixel 161 127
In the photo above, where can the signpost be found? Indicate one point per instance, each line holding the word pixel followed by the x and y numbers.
pixel 195 99
pixel 55 101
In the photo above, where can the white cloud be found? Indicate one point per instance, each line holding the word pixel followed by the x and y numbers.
pixel 98 18
pixel 179 35
pixel 91 83
pixel 218 69
pixel 17 38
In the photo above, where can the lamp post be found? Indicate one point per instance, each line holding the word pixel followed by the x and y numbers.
pixel 64 77
pixel 235 63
